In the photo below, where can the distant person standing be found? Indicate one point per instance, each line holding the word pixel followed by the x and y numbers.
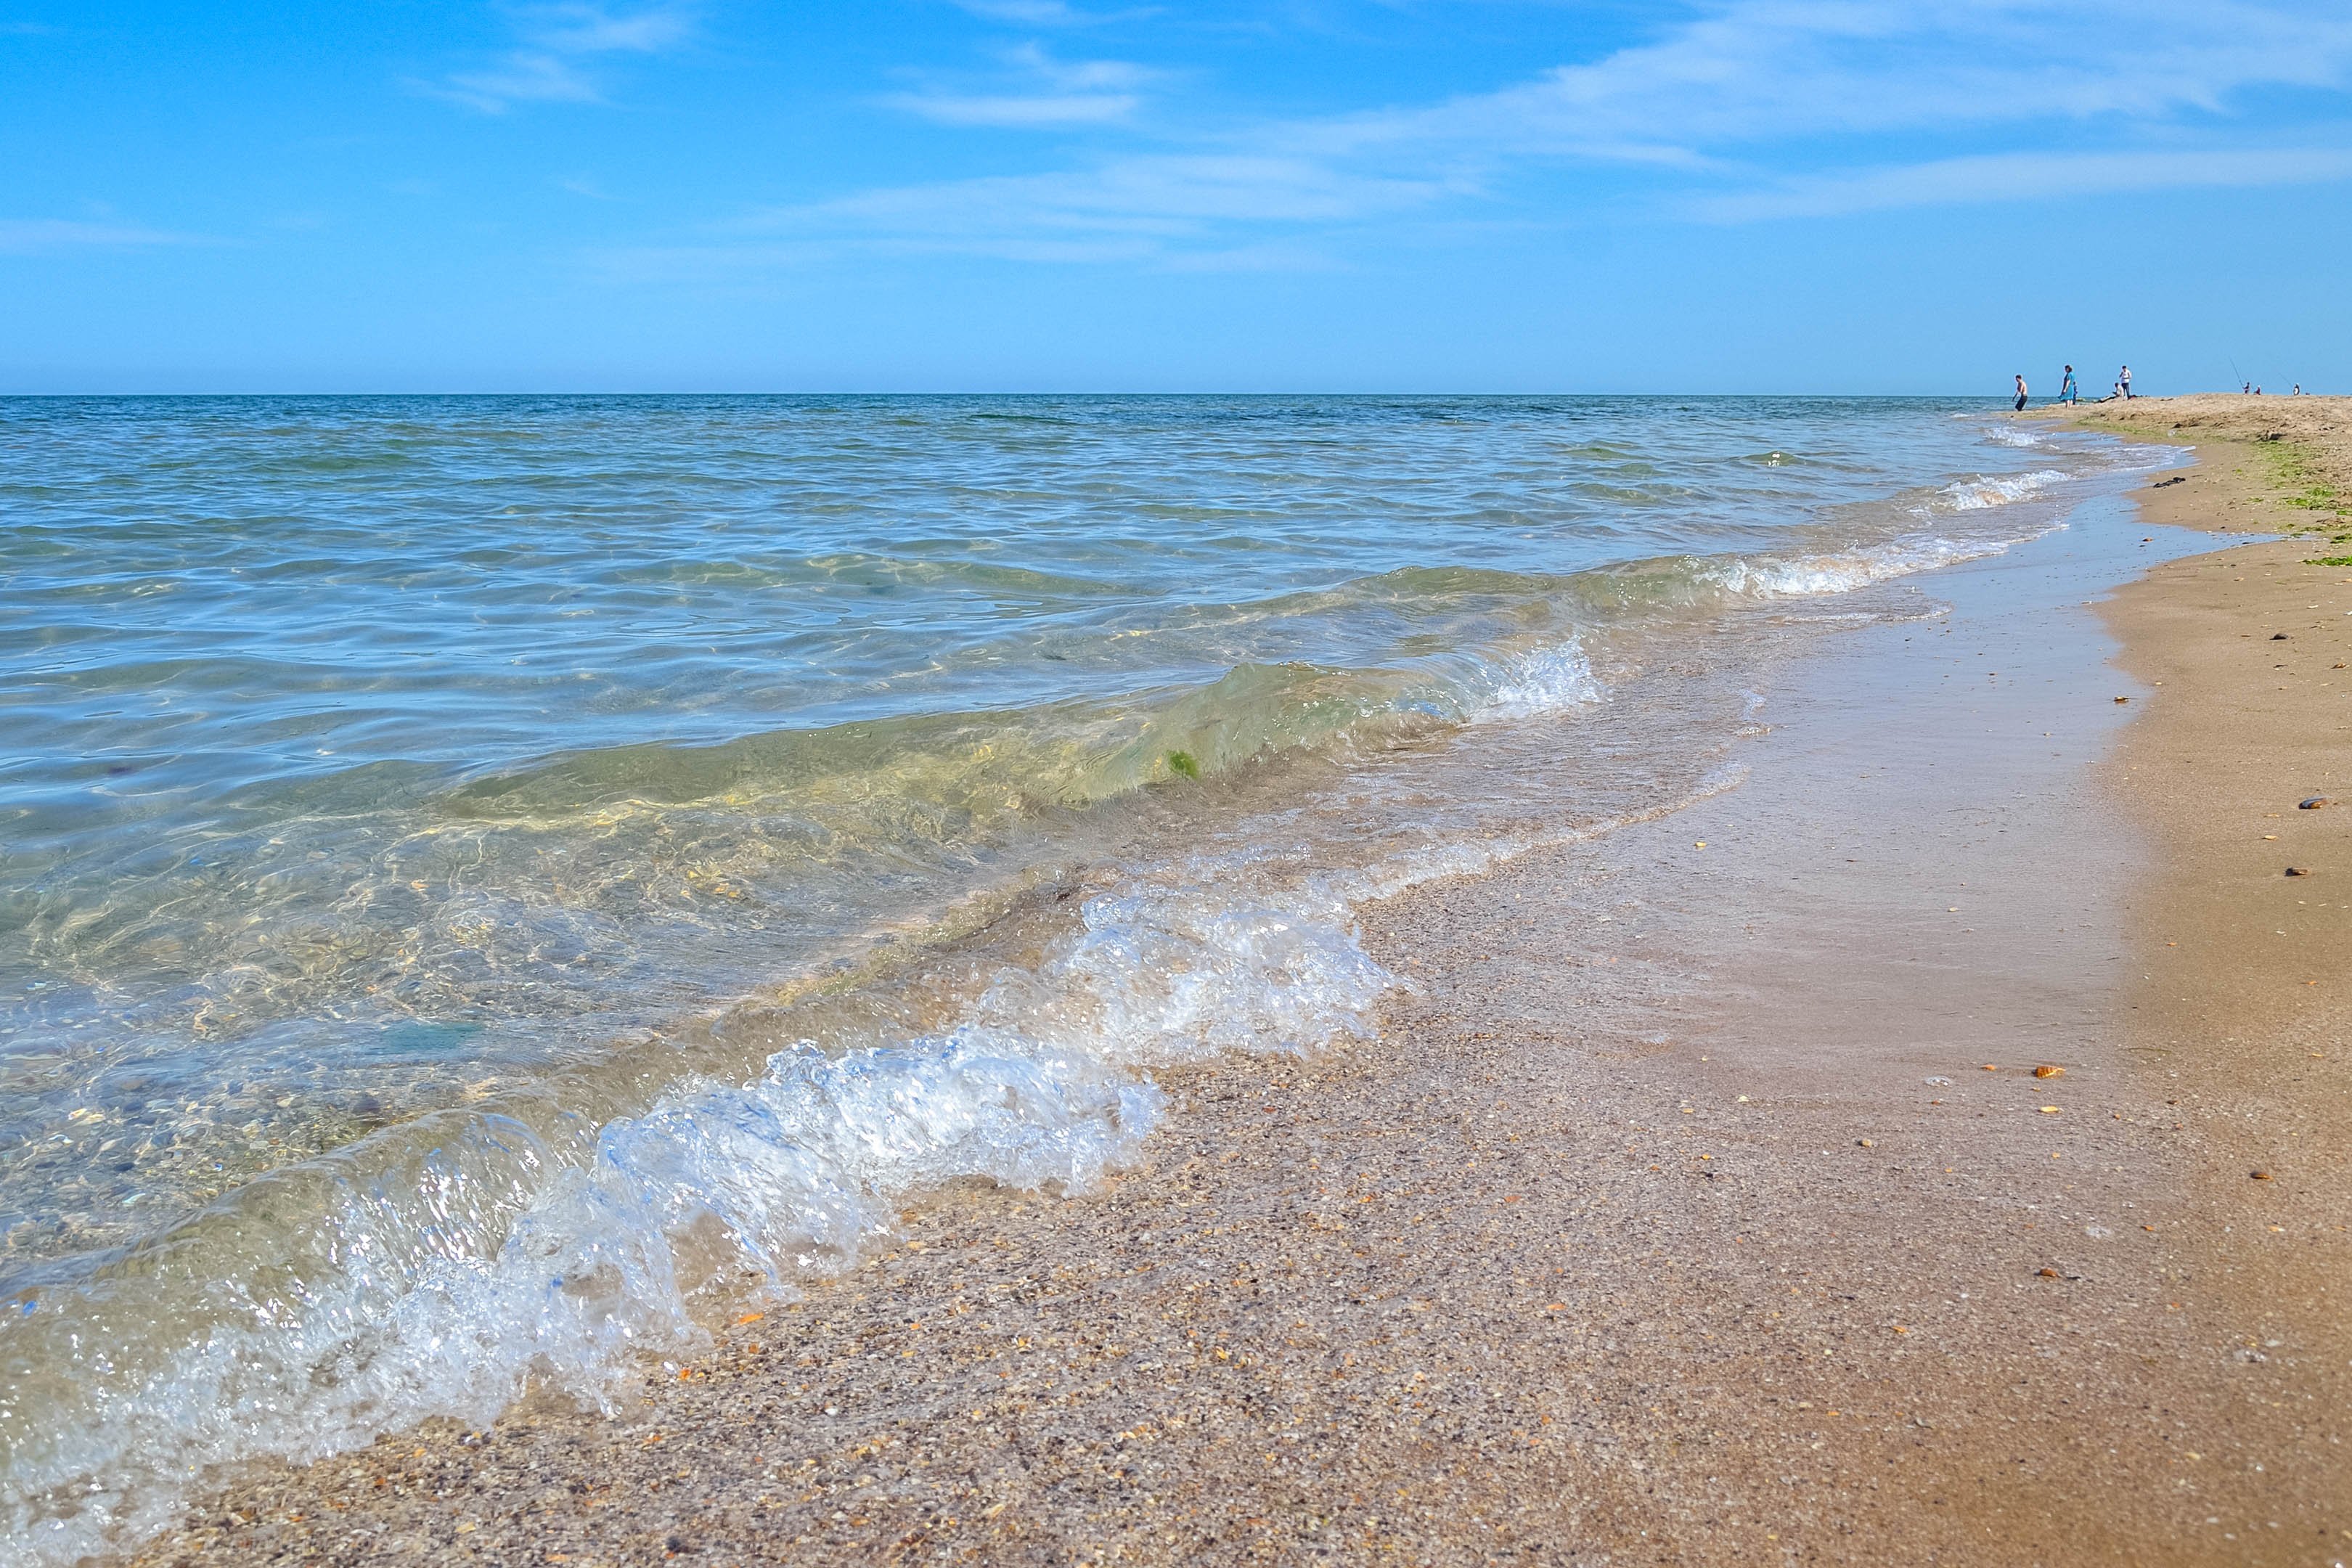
pixel 2123 384
pixel 2067 392
pixel 2021 394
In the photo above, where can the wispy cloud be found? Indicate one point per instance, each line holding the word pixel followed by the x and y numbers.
pixel 556 57
pixel 1029 13
pixel 27 237
pixel 2026 176
pixel 1136 196
pixel 1205 212
pixel 1776 72
pixel 1016 110
pixel 1745 110
pixel 1041 92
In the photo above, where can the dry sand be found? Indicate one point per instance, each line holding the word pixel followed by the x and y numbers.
pixel 1646 1232
pixel 2316 434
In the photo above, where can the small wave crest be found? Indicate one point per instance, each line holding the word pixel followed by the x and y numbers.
pixel 1541 680
pixel 1987 491
pixel 1805 577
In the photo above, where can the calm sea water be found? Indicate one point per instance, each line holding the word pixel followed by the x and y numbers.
pixel 457 856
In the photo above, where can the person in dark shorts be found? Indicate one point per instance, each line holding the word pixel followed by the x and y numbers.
pixel 2021 394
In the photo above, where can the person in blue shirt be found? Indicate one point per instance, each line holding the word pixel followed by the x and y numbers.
pixel 2067 392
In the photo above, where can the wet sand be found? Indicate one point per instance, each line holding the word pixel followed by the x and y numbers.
pixel 1649 1231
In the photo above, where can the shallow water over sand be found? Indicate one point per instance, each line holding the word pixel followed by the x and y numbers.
pixel 484 876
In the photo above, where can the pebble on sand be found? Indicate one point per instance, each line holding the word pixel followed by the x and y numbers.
pixel 2298 870
pixel 2316 802
pixel 2048 1069
pixel 2262 1176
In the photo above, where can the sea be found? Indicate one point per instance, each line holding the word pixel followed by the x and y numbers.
pixel 490 886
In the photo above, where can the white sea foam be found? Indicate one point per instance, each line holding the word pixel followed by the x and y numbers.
pixel 1540 681
pixel 2012 436
pixel 1987 491
pixel 1804 577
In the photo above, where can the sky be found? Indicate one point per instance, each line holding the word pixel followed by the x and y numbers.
pixel 1399 195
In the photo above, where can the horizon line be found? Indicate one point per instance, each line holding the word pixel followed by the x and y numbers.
pixel 1996 396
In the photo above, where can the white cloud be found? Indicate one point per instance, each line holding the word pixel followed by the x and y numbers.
pixel 1747 109
pixel 1080 75
pixel 558 44
pixel 1162 196
pixel 1774 71
pixel 522 78
pixel 1017 110
pixel 1181 212
pixel 2025 176
pixel 1028 13
pixel 586 31
pixel 1042 91
pixel 25 236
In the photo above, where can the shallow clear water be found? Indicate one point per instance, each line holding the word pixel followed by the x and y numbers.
pixel 424 821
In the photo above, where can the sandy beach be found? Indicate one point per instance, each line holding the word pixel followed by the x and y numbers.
pixel 1698 1203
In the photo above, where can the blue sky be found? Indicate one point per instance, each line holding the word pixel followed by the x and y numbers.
pixel 1015 195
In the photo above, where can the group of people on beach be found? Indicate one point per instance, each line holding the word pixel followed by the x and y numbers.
pixel 2069 393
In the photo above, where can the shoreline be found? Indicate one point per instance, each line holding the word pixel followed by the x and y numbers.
pixel 1567 1265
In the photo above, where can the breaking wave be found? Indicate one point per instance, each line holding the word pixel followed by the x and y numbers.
pixel 1987 491
pixel 435 1281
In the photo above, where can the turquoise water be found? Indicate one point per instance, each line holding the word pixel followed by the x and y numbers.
pixel 440 796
